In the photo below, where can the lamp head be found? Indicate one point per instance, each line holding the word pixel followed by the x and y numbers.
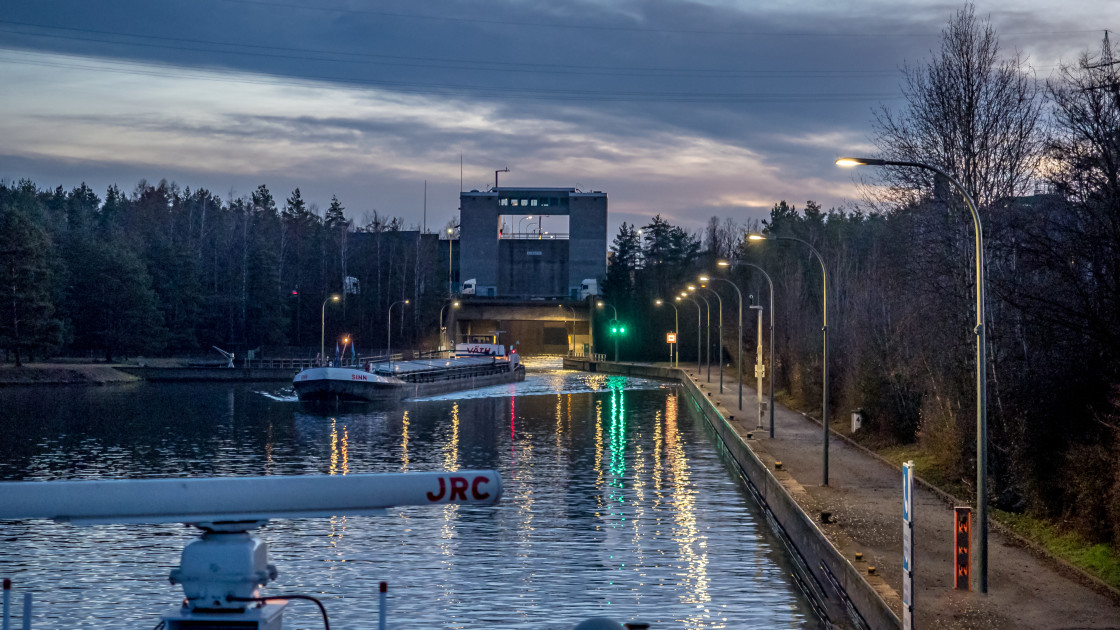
pixel 336 297
pixel 658 301
pixel 723 263
pixel 756 237
pixel 849 162
pixel 598 305
pixel 455 304
pixel 704 278
pixel 678 298
pixel 692 287
pixel 407 302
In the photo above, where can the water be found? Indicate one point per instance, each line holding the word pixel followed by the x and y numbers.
pixel 615 504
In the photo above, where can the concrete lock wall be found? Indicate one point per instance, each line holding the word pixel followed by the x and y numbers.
pixel 847 598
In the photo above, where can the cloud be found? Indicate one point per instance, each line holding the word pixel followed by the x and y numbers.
pixel 682 108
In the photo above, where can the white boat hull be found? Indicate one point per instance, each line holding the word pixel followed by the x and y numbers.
pixel 330 383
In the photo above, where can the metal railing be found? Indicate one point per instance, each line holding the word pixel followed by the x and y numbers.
pixel 591 356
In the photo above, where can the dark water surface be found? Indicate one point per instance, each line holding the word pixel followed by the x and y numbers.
pixel 616 503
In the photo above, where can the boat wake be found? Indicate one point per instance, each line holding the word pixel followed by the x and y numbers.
pixel 553 382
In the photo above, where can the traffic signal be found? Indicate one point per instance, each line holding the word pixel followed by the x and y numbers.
pixel 617 327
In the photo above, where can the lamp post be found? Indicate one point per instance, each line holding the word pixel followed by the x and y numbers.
pixel 676 331
pixel 615 310
pixel 571 336
pixel 389 330
pixel 824 335
pixel 740 295
pixel 501 170
pixel 323 326
pixel 519 232
pixel 759 368
pixel 450 256
pixel 980 576
pixel 724 263
pixel 442 327
pixel 707 329
pixel 719 334
pixel 699 335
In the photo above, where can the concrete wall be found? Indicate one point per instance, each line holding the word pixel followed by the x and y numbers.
pixel 533 268
pixel 830 574
pixel 211 374
pixel 587 237
pixel 478 240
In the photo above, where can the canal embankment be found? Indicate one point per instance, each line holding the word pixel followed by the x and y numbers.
pixel 119 373
pixel 64 374
pixel 849 533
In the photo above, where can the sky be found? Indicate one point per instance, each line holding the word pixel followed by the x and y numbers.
pixel 685 109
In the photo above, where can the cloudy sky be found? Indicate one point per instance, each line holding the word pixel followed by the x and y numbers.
pixel 687 109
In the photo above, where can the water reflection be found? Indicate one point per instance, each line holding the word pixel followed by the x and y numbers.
pixel 615 504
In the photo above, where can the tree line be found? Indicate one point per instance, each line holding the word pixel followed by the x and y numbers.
pixel 1042 161
pixel 170 271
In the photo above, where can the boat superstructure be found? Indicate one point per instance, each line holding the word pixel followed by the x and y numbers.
pixel 472 365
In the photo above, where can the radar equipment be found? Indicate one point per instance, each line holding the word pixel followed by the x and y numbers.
pixel 222 570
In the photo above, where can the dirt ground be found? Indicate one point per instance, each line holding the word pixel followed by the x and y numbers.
pixel 1025 589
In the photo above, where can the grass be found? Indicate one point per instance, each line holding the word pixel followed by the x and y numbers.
pixel 925 467
pixel 1100 560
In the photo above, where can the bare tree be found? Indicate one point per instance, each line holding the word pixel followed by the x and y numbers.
pixel 969 111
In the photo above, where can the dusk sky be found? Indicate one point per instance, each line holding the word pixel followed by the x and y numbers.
pixel 687 109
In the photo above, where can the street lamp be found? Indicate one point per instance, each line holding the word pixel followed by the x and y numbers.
pixel 676 331
pixel 719 334
pixel 450 256
pixel 442 327
pixel 615 310
pixel 980 582
pixel 519 232
pixel 684 295
pixel 323 326
pixel 724 263
pixel 740 294
pixel 572 334
pixel 389 330
pixel 707 328
pixel 824 335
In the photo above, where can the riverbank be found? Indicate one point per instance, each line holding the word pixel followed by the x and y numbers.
pixel 64 374
pixel 1027 589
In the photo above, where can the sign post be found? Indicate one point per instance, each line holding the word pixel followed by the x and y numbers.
pixel 671 339
pixel 908 545
pixel 962 547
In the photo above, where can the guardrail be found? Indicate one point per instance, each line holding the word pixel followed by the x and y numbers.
pixel 591 356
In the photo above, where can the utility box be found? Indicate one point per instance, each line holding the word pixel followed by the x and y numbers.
pixel 857 420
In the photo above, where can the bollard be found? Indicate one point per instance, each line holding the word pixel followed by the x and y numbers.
pixel 381 613
pixel 777 465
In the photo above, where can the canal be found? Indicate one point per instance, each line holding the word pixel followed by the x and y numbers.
pixel 616 503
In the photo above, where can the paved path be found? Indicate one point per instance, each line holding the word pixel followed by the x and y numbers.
pixel 865 497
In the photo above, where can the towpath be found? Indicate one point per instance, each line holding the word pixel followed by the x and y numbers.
pixel 864 496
